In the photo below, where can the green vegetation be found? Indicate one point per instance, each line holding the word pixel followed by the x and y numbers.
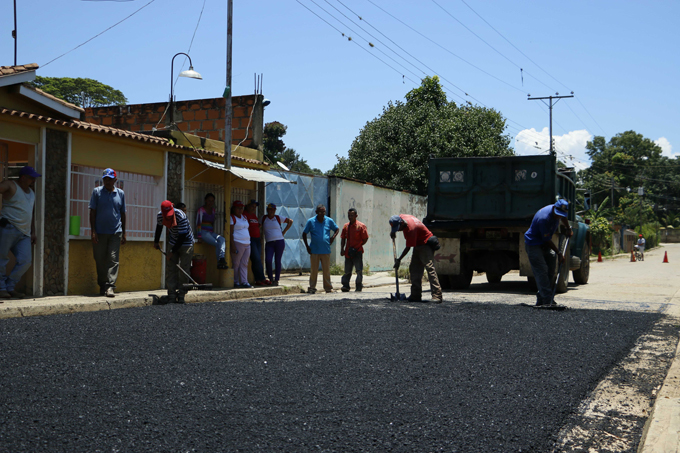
pixel 276 151
pixel 392 150
pixel 81 92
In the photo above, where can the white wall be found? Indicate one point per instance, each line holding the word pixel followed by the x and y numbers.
pixel 375 206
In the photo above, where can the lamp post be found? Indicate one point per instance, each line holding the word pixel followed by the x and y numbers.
pixel 190 73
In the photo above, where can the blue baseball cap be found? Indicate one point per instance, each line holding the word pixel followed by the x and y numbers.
pixel 395 221
pixel 271 206
pixel 29 171
pixel 561 207
pixel 109 173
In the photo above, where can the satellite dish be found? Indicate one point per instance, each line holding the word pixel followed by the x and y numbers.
pixel 282 166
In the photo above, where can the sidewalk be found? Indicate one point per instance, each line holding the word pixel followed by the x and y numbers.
pixel 53 305
pixel 370 281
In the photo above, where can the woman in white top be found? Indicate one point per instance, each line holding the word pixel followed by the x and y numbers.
pixel 239 245
pixel 271 224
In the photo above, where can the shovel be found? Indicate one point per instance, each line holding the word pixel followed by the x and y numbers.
pixel 397 296
pixel 193 285
pixel 559 273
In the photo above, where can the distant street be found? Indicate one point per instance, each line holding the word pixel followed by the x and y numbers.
pixel 347 371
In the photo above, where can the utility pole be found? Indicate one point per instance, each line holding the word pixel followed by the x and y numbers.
pixel 227 90
pixel 550 107
pixel 14 32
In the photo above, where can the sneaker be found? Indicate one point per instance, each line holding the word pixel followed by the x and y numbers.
pixel 262 283
pixel 222 264
pixel 109 292
pixel 345 289
pixel 237 285
pixel 328 291
pixel 275 283
pixel 246 285
pixel 5 295
pixel 268 282
pixel 311 291
pixel 414 299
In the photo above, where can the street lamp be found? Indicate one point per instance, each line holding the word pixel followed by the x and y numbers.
pixel 190 73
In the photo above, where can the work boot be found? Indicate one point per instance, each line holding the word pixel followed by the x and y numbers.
pixel 109 292
pixel 413 298
pixel 17 294
pixel 180 297
pixel 345 289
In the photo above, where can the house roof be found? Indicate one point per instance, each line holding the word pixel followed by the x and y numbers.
pixel 12 70
pixel 54 98
pixel 106 130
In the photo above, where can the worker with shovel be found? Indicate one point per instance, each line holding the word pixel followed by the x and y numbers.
pixel 424 243
pixel 181 242
pixel 541 250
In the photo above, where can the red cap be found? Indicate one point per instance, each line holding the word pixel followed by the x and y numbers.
pixel 640 235
pixel 238 204
pixel 168 211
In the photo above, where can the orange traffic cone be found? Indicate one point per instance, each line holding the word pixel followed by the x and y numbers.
pixel 632 257
pixel 599 257
pixel 665 257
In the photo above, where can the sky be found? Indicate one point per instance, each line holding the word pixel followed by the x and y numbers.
pixel 618 57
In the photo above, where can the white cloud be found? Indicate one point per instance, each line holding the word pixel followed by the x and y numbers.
pixel 667 148
pixel 571 147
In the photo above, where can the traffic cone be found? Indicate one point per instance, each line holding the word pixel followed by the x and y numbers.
pixel 665 257
pixel 632 257
pixel 599 257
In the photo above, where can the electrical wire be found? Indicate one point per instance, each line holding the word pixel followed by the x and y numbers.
pixel 98 34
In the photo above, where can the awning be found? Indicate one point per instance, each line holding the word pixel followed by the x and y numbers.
pixel 245 173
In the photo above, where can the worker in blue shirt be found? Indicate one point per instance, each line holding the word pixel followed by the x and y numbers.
pixel 541 250
pixel 319 228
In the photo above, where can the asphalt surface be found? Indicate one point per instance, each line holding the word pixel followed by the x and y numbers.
pixel 304 375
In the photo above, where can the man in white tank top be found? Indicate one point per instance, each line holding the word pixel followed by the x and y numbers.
pixel 17 229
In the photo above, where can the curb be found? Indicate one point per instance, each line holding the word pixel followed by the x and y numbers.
pixel 59 305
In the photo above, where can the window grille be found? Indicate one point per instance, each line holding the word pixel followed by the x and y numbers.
pixel 143 197
pixel 194 198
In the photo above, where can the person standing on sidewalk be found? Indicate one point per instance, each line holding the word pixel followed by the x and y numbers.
pixel 107 224
pixel 255 244
pixel 541 250
pixel 205 229
pixel 354 236
pixel 271 224
pixel 424 244
pixel 641 243
pixel 17 229
pixel 320 227
pixel 239 245
pixel 180 250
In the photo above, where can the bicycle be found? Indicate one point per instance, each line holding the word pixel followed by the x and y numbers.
pixel 638 254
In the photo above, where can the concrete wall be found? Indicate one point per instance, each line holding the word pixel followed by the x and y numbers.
pixel 374 205
pixel 669 235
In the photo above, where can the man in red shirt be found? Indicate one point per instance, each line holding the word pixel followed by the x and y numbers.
pixel 354 236
pixel 424 244
pixel 255 243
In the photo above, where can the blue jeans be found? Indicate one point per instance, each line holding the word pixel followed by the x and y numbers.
pixel 20 245
pixel 274 249
pixel 542 261
pixel 256 258
pixel 216 241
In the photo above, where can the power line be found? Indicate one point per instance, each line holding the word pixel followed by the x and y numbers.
pixel 492 47
pixel 98 34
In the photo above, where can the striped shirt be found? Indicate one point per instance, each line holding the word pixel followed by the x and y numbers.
pixel 183 227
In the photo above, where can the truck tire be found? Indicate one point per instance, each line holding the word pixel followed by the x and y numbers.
pixel 532 284
pixel 461 281
pixel 492 277
pixel 582 274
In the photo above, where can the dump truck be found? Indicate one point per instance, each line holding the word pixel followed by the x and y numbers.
pixel 480 208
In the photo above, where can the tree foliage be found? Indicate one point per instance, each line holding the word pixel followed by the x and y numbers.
pixel 393 149
pixel 81 92
pixel 627 162
pixel 275 150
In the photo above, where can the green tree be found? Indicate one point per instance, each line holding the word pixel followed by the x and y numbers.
pixel 393 149
pixel 275 150
pixel 81 92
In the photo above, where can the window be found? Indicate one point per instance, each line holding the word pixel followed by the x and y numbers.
pixel 194 198
pixel 143 197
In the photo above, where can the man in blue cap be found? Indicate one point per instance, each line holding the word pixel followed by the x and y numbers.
pixel 17 229
pixel 541 250
pixel 107 221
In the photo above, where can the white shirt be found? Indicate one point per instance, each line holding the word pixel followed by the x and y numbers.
pixel 641 242
pixel 272 229
pixel 240 229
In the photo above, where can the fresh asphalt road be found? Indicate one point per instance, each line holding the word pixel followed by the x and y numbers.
pixel 349 372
